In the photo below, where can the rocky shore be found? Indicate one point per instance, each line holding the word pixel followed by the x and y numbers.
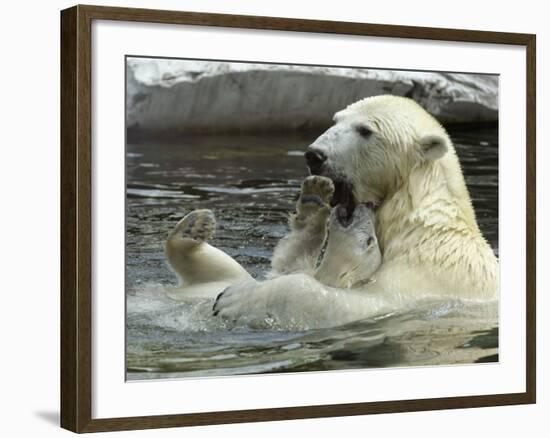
pixel 175 96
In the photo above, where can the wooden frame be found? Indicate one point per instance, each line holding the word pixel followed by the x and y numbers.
pixel 76 239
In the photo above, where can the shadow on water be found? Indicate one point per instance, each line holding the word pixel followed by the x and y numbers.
pixel 251 183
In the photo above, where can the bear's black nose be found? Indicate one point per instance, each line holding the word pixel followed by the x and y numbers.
pixel 314 160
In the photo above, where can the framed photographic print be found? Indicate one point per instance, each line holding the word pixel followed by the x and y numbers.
pixel 270 218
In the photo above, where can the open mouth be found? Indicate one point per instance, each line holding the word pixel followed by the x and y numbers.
pixel 344 199
pixel 345 203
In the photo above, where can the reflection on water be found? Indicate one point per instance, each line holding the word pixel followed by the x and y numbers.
pixel 251 183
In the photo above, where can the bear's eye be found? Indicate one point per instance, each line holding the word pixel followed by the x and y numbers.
pixel 370 241
pixel 363 131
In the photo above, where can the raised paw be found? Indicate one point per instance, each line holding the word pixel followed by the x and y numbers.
pixel 198 225
pixel 317 186
pixel 315 197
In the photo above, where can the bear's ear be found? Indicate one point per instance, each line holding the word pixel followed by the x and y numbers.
pixel 434 146
pixel 336 118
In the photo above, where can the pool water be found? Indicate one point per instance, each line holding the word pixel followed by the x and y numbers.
pixel 251 183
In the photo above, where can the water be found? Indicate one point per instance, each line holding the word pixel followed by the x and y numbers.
pixel 251 183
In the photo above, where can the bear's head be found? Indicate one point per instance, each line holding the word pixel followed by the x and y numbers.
pixel 373 147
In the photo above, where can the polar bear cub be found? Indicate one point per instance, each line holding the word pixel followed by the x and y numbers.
pixel 352 254
pixel 351 257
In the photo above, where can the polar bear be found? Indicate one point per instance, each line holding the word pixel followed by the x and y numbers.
pixel 388 152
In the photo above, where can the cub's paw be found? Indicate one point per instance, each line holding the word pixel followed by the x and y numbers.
pixel 314 197
pixel 317 187
pixel 198 225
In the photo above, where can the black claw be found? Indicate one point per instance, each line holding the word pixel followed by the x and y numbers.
pixel 215 313
pixel 216 301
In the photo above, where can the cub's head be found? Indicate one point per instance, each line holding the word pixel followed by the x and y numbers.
pixel 374 145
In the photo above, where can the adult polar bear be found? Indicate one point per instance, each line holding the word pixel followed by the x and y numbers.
pixel 388 151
